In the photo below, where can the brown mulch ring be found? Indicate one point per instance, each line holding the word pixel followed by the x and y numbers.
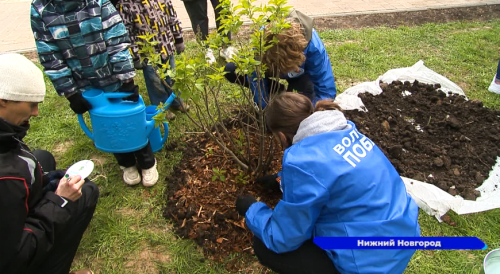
pixel 202 206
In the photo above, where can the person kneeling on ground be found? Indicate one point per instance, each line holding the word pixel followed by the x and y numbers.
pixel 43 215
pixel 327 194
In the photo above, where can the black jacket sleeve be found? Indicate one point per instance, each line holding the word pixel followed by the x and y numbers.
pixel 27 234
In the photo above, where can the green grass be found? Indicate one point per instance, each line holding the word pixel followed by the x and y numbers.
pixel 128 233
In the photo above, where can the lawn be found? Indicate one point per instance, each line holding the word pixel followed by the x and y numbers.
pixel 128 233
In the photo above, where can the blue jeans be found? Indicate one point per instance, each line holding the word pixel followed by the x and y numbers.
pixel 157 91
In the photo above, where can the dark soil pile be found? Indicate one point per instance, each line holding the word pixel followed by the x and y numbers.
pixel 428 136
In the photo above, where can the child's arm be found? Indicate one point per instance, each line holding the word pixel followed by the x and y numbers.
pixel 174 22
pixel 117 43
pixel 51 58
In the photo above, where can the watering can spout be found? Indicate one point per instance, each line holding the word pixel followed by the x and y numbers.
pixel 150 125
pixel 155 138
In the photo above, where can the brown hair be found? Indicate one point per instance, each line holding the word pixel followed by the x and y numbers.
pixel 288 54
pixel 287 110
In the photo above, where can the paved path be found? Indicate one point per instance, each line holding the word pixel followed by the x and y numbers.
pixel 15 31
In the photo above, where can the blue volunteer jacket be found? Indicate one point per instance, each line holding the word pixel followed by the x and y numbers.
pixel 317 66
pixel 339 183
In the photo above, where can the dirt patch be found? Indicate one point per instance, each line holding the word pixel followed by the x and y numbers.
pixel 144 260
pixel 442 140
pixel 61 148
pixel 128 212
pixel 98 160
pixel 408 18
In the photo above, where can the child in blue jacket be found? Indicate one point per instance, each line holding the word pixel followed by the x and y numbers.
pixel 299 57
pixel 336 183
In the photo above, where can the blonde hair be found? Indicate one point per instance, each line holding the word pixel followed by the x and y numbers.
pixel 288 54
pixel 287 110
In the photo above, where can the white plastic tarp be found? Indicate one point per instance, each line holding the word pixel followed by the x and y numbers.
pixel 429 198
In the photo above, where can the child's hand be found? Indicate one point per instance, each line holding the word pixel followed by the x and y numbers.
pixel 179 48
pixel 78 104
pixel 130 87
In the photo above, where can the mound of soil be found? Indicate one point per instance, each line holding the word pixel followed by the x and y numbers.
pixel 428 136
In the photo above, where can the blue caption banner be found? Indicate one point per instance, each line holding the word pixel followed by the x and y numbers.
pixel 400 243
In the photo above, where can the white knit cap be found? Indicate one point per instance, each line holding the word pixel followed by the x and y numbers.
pixel 20 79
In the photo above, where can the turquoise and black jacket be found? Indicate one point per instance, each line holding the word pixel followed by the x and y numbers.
pixel 81 44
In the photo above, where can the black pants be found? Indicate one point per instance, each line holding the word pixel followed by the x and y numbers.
pixel 307 259
pixel 197 11
pixel 301 84
pixel 145 158
pixel 60 257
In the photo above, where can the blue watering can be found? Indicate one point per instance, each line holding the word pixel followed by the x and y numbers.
pixel 118 126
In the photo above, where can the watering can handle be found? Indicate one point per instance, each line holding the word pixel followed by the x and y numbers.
pixel 84 127
pixel 116 95
pixel 165 134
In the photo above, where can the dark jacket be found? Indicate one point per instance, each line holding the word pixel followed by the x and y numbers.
pixel 30 220
pixel 151 17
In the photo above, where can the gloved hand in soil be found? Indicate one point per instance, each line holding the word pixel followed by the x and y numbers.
pixel 243 203
pixel 269 182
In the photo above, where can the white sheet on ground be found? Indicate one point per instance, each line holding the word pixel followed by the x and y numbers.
pixel 429 198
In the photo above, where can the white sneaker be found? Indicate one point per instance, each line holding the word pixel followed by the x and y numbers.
pixel 210 57
pixel 228 53
pixel 131 175
pixel 494 87
pixel 150 176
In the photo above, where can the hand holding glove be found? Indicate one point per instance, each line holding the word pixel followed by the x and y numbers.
pixel 243 203
pixel 269 182
pixel 78 104
pixel 130 87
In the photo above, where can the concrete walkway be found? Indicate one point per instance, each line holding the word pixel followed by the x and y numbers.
pixel 16 35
